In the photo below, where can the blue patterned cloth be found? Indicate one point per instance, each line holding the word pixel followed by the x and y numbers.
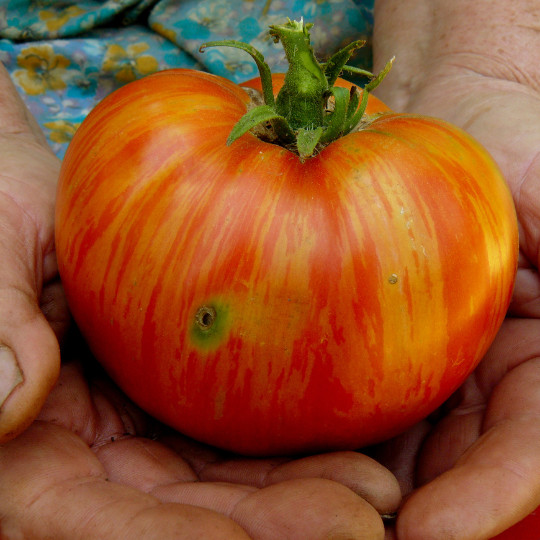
pixel 65 56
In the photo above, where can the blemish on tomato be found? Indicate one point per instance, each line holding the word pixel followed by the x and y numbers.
pixel 210 326
pixel 205 317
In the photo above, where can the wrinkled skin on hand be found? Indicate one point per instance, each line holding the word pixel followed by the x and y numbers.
pixel 475 465
pixel 94 467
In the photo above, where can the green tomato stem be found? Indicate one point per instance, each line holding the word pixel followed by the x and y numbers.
pixel 299 115
pixel 302 98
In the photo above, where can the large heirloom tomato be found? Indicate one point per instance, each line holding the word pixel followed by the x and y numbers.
pixel 267 303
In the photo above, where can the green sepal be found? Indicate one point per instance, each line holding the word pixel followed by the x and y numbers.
pixel 264 69
pixel 355 119
pixel 307 140
pixel 338 116
pixel 252 118
pixel 283 130
pixel 354 100
pixel 335 65
pixel 358 71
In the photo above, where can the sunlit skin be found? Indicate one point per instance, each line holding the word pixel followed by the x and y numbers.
pixel 350 293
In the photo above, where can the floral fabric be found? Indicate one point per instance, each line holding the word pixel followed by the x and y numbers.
pixel 65 56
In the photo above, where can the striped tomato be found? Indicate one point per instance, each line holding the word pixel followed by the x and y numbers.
pixel 268 304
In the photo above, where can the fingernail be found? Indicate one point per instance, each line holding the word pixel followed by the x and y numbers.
pixel 10 373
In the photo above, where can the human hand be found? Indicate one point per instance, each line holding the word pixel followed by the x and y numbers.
pixel 32 306
pixel 477 469
pixel 95 467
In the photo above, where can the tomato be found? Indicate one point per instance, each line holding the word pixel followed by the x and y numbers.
pixel 269 305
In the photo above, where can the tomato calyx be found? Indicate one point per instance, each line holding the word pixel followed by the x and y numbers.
pixel 309 112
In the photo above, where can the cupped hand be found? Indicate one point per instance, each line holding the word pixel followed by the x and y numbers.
pixel 94 467
pixel 475 469
pixel 32 306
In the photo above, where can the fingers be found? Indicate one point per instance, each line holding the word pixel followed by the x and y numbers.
pixel 361 474
pixel 517 342
pixel 143 464
pixel 526 297
pixel 305 508
pixel 99 415
pixel 473 409
pixel 364 476
pixel 303 499
pixel 162 472
pixel 400 454
pixel 301 508
pixel 52 486
pixel 492 487
pixel 522 170
pixel 327 474
pixel 30 355
pixel 153 468
pixel 30 351
pixel 308 508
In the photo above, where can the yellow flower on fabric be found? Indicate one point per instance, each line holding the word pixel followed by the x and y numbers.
pixel 62 131
pixel 130 63
pixel 41 69
pixel 54 20
pixel 165 32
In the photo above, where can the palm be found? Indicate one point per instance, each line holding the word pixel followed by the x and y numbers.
pixel 481 456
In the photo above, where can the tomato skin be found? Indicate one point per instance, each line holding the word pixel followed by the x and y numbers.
pixel 353 292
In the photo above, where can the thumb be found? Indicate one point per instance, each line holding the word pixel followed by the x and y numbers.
pixel 29 362
pixel 29 350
